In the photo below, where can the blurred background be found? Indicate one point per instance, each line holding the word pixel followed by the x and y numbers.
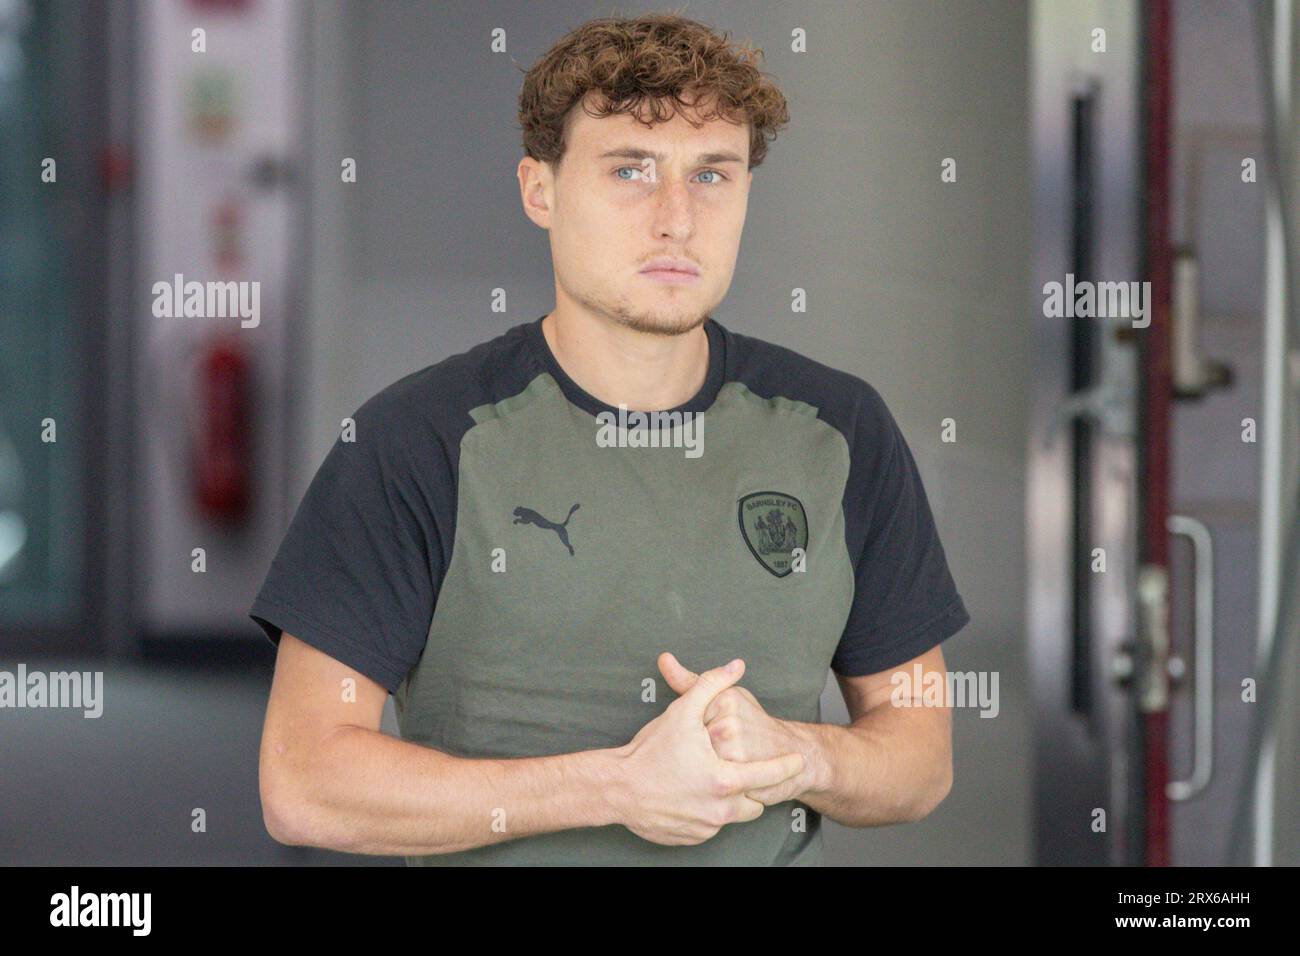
pixel 1118 506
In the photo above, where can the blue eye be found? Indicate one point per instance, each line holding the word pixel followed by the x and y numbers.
pixel 638 169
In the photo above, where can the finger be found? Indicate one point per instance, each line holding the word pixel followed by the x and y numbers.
pixel 718 706
pixel 678 677
pixel 750 809
pixel 779 793
pixel 727 701
pixel 756 774
pixel 709 685
pixel 727 748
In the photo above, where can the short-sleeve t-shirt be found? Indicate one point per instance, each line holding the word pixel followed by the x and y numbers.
pixel 509 555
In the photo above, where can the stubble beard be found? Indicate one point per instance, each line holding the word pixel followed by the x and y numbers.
pixel 662 322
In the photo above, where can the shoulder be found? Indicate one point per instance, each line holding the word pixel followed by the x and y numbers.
pixel 846 401
pixel 435 402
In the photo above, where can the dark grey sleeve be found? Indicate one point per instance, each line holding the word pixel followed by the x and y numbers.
pixel 905 601
pixel 355 574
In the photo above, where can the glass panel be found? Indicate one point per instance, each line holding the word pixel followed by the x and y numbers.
pixel 41 534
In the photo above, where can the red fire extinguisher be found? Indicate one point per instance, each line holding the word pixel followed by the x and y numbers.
pixel 222 443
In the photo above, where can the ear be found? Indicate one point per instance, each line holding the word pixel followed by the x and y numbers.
pixel 536 190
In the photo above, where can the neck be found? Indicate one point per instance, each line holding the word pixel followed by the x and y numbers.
pixel 622 366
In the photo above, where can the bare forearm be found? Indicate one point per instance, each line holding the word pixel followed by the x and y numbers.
pixel 367 792
pixel 892 765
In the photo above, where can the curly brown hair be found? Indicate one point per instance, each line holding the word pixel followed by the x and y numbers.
pixel 656 60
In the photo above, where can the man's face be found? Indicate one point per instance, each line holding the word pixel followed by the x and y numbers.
pixel 625 195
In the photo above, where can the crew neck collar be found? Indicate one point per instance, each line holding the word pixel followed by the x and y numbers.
pixel 699 402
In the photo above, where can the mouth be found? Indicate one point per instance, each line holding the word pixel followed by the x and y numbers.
pixel 671 276
pixel 671 270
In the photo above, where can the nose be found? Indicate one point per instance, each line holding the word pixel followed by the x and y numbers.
pixel 674 217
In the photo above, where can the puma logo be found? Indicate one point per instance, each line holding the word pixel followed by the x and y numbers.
pixel 529 516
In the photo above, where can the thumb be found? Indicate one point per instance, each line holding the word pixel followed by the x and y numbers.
pixel 678 677
pixel 709 685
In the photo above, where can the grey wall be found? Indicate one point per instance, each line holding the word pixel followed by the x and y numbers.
pixel 915 285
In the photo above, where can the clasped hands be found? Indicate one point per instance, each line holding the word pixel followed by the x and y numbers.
pixel 713 757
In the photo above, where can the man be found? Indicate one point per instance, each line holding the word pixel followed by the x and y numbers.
pixel 537 573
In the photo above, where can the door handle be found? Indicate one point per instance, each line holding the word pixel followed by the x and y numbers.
pixel 1203 629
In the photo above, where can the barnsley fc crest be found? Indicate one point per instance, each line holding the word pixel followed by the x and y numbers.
pixel 773 524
